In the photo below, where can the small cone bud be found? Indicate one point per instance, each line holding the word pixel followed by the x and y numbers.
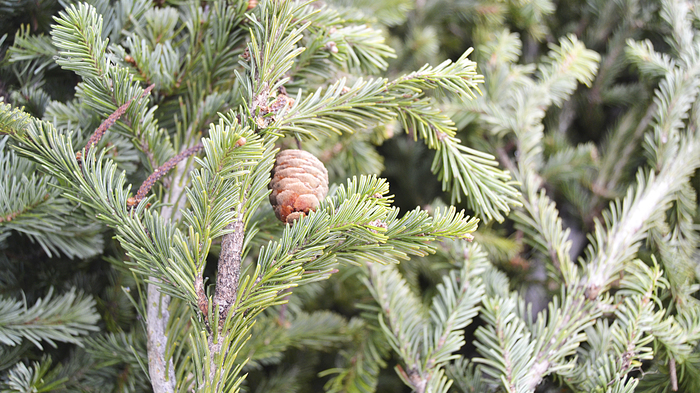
pixel 299 183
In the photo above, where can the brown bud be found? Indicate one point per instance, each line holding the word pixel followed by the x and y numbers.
pixel 281 102
pixel 260 122
pixel 240 142
pixel 592 291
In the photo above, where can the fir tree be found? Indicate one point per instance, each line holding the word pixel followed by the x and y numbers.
pixel 138 140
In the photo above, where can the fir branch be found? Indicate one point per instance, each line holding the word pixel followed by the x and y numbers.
pixel 403 318
pixel 78 37
pixel 272 51
pixel 105 85
pixel 39 377
pixel 138 124
pixel 504 342
pixel 675 14
pixel 612 167
pixel 540 220
pixel 31 205
pixel 64 318
pixel 161 365
pixel 627 221
pixel 466 377
pixel 674 98
pixel 123 352
pixel 676 244
pixel 567 63
pixel 110 199
pixel 453 308
pixel 363 360
pixel 334 40
pixel 321 330
pixel 388 13
pixel 28 48
pixel 12 120
pixel 462 170
pixel 649 62
pixel 308 251
pixel 623 240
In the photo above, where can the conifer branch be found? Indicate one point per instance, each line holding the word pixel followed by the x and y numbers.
pixel 462 170
pixel 86 57
pixel 30 204
pixel 272 50
pixel 627 224
pixel 627 144
pixel 338 39
pixel 628 221
pixel 588 338
pixel 539 219
pixel 62 318
pixel 39 377
pixel 403 318
pixel 12 119
pixel 363 360
pixel 81 48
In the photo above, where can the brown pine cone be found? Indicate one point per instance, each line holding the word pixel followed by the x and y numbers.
pixel 299 183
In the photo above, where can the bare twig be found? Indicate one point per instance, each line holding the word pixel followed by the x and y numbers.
pixel 160 369
pixel 100 131
pixel 160 172
pixel 672 371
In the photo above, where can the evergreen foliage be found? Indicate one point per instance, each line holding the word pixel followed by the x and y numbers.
pixel 140 253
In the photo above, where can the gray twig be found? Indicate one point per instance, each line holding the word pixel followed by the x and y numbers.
pixel 161 370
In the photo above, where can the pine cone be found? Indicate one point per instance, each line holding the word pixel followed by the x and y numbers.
pixel 299 183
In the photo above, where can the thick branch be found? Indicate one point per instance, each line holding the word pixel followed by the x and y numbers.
pixel 229 269
pixel 229 272
pixel 161 370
